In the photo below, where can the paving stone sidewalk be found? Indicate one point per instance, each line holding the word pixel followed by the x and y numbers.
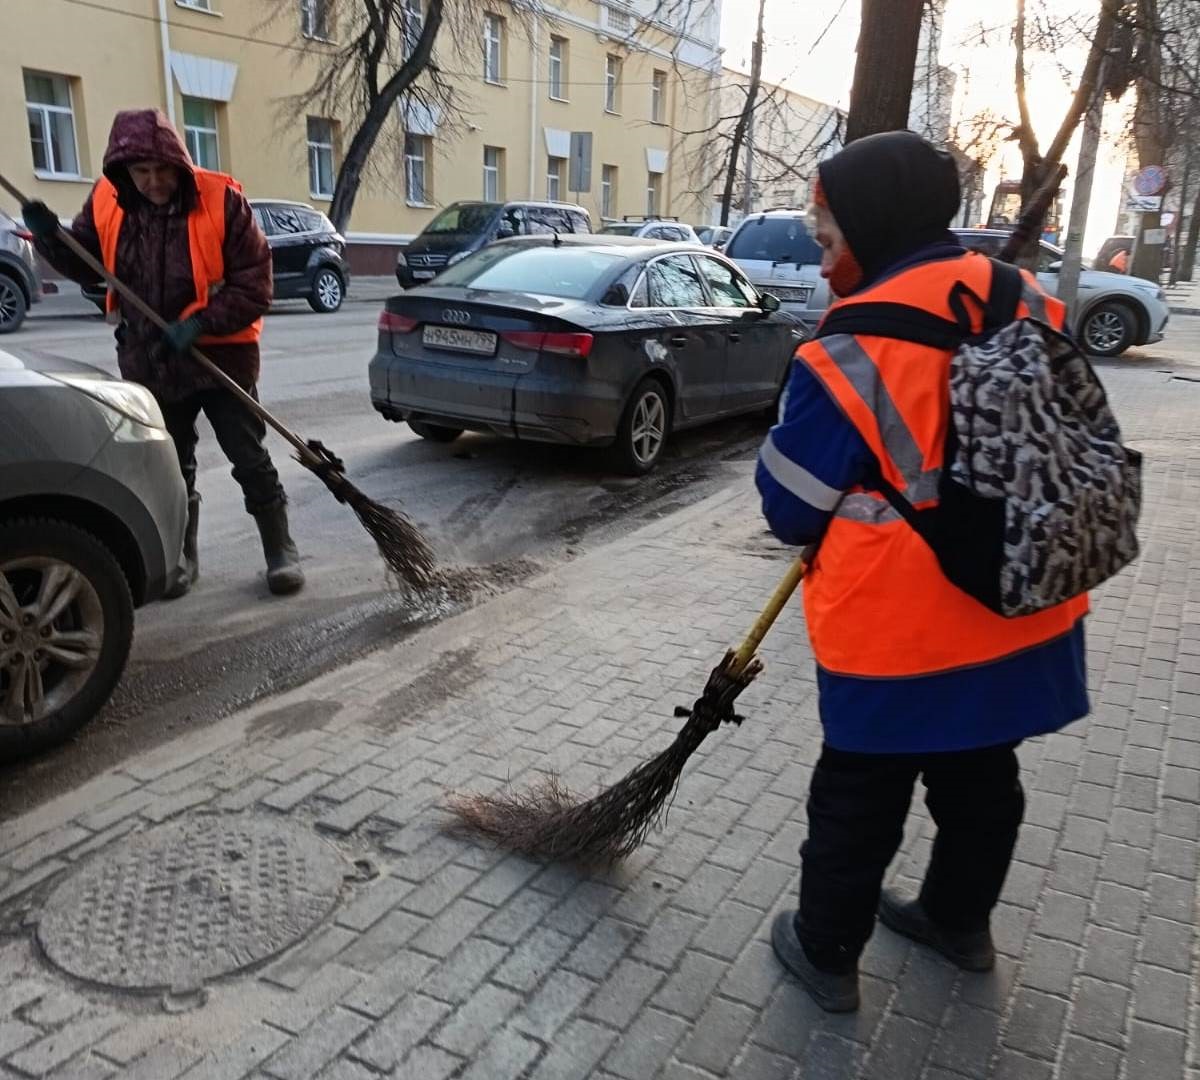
pixel 459 961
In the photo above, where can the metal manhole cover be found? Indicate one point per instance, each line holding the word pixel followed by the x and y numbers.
pixel 185 902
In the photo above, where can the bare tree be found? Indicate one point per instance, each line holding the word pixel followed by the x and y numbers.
pixel 881 96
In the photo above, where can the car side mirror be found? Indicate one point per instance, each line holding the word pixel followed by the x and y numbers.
pixel 768 302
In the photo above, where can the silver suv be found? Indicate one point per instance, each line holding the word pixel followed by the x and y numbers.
pixel 1114 311
pixel 20 284
pixel 92 511
pixel 652 228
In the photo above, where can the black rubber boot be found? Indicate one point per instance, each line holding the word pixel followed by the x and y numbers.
pixel 284 575
pixel 833 991
pixel 971 950
pixel 189 571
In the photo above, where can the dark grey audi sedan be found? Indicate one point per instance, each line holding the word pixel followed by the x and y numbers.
pixel 585 340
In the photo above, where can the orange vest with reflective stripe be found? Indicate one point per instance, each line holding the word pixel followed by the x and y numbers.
pixel 876 601
pixel 206 244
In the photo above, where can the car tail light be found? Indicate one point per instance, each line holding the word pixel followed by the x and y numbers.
pixel 392 323
pixel 564 344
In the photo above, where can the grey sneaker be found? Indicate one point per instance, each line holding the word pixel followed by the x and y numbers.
pixel 833 992
pixel 971 950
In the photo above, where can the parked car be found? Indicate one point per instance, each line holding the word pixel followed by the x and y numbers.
pixel 20 283
pixel 590 341
pixel 652 228
pixel 464 227
pixel 1115 312
pixel 92 513
pixel 714 236
pixel 307 256
pixel 307 253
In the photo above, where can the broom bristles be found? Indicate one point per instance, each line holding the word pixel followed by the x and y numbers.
pixel 406 552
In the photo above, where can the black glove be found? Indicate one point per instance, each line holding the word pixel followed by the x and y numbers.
pixel 180 336
pixel 40 220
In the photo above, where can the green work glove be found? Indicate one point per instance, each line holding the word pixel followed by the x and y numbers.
pixel 40 220
pixel 180 336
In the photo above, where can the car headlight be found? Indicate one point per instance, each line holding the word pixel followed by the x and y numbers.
pixel 131 400
pixel 457 257
pixel 400 259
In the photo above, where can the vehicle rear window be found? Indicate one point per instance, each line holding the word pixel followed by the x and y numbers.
pixel 470 218
pixel 775 239
pixel 552 271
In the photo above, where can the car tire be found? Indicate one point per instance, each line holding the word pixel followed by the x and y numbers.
pixel 435 432
pixel 13 306
pixel 1108 329
pixel 328 291
pixel 644 428
pixel 34 552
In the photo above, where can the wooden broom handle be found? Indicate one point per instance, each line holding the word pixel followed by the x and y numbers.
pixel 783 592
pixel 307 455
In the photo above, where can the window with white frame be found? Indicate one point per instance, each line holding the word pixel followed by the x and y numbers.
pixel 658 97
pixel 493 167
pixel 558 68
pixel 493 48
pixel 314 19
pixel 200 132
pixel 414 22
pixel 608 191
pixel 199 5
pixel 320 157
pixel 554 177
pixel 417 188
pixel 653 193
pixel 612 83
pixel 51 124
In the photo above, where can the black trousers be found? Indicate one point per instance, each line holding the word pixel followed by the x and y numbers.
pixel 857 804
pixel 240 434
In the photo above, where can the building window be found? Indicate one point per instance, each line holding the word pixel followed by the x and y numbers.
pixel 608 191
pixel 51 124
pixel 320 157
pixel 493 167
pixel 493 48
pixel 554 177
pixel 558 68
pixel 200 132
pixel 654 193
pixel 658 97
pixel 199 5
pixel 417 188
pixel 414 22
pixel 612 83
pixel 314 19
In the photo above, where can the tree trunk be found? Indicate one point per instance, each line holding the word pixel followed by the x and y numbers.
pixel 744 121
pixel 350 175
pixel 1188 264
pixel 881 97
pixel 1149 134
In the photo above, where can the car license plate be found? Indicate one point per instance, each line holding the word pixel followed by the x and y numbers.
pixel 796 295
pixel 423 275
pixel 451 337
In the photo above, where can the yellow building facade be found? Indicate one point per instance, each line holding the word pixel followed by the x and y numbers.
pixel 227 72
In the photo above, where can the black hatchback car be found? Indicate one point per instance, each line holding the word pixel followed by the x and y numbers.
pixel 307 255
pixel 591 341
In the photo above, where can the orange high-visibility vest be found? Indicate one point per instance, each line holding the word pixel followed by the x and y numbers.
pixel 876 601
pixel 206 244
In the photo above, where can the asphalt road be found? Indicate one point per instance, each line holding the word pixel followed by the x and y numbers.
pixel 482 501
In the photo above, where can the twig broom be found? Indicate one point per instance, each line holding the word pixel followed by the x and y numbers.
pixel 549 822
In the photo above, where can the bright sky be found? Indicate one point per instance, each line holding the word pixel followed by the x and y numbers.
pixel 985 76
